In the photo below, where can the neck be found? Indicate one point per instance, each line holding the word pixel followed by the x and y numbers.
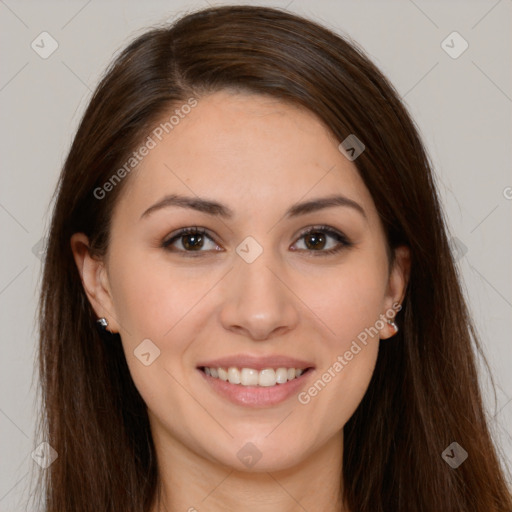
pixel 189 482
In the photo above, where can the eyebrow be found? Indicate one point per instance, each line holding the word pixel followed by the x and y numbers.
pixel 214 208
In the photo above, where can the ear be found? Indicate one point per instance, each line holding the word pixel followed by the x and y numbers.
pixel 93 274
pixel 397 285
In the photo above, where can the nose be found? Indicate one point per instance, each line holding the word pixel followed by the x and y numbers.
pixel 258 302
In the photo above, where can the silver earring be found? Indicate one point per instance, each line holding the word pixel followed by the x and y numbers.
pixel 393 324
pixel 102 323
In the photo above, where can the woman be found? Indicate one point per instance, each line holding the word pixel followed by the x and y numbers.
pixel 248 216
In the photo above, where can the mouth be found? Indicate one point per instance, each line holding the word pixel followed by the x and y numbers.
pixel 256 382
pixel 252 377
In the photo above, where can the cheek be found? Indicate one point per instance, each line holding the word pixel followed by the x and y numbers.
pixel 152 297
pixel 156 302
pixel 167 305
pixel 349 306
pixel 351 302
pixel 348 363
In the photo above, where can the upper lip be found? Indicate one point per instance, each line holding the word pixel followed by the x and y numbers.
pixel 258 363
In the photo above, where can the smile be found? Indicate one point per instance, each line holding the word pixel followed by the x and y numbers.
pixel 267 377
pixel 255 388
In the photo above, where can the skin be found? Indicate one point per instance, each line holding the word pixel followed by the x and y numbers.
pixel 257 156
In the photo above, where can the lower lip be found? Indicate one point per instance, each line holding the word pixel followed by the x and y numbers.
pixel 257 396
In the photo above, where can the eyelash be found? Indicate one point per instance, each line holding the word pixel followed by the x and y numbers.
pixel 343 241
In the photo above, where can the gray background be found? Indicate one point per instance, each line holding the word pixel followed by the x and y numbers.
pixel 462 107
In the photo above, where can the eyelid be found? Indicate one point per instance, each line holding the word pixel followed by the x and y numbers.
pixel 338 235
pixel 325 228
pixel 177 234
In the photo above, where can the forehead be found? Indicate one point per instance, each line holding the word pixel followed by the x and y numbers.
pixel 243 149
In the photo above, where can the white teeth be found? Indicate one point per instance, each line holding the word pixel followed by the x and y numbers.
pixel 267 377
pixel 233 375
pixel 251 377
pixel 281 375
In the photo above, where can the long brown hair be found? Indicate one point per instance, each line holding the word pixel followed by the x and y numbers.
pixel 424 393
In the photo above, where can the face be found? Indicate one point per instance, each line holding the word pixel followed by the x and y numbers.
pixel 270 277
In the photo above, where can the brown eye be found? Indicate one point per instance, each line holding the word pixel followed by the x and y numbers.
pixel 190 240
pixel 323 240
pixel 315 240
